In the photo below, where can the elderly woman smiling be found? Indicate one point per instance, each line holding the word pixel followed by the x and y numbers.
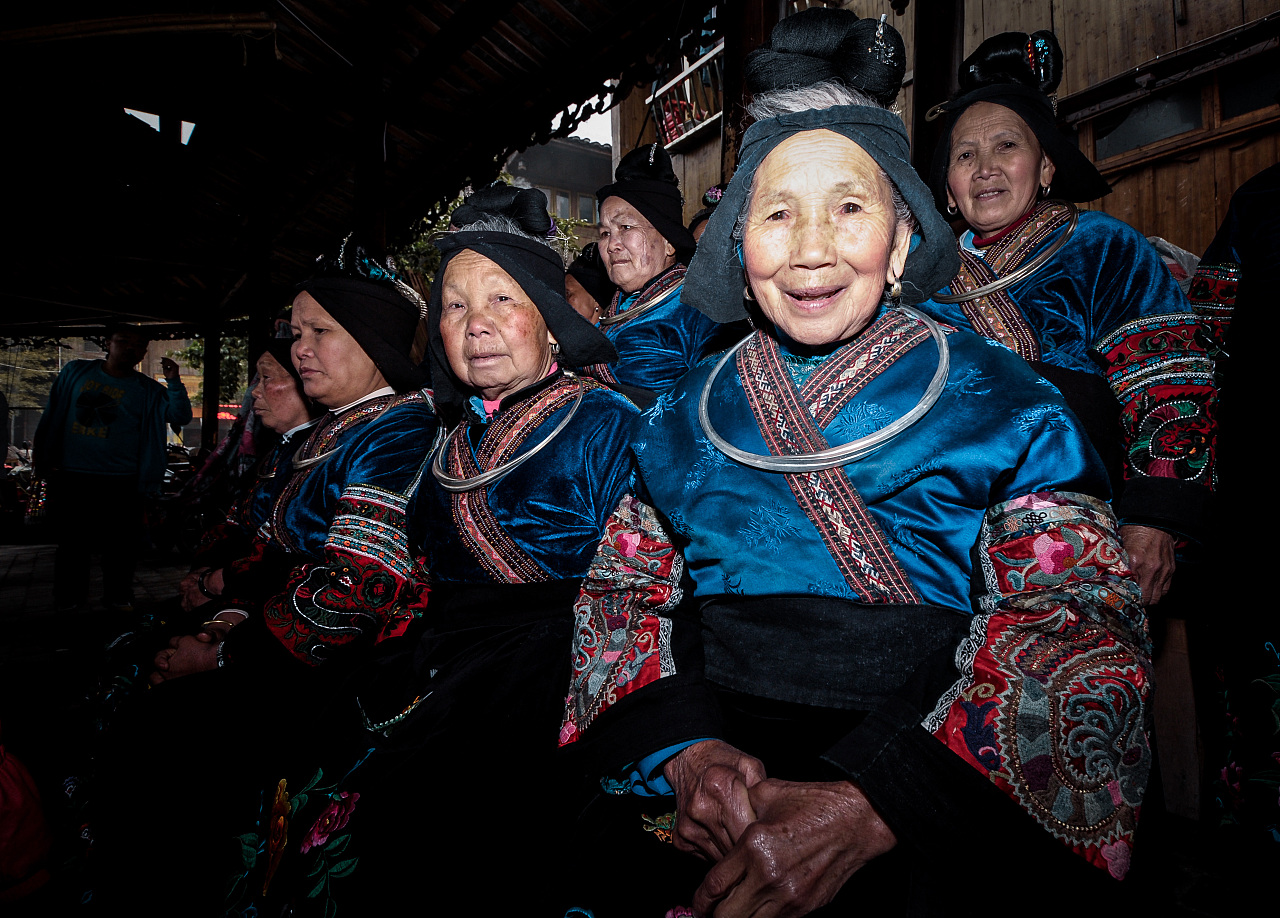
pixel 507 522
pixel 1082 297
pixel 849 613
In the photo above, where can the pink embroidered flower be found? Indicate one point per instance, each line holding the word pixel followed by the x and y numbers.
pixel 567 730
pixel 1117 856
pixel 331 820
pixel 1054 556
pixel 680 911
pixel 629 542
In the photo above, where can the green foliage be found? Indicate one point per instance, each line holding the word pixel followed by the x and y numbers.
pixel 235 366
pixel 420 256
pixel 27 372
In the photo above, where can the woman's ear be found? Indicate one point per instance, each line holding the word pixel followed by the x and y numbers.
pixel 898 253
pixel 1047 170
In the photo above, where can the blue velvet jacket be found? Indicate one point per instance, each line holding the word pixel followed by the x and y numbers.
pixel 1104 307
pixel 330 570
pixel 543 520
pixel 979 537
pixel 661 340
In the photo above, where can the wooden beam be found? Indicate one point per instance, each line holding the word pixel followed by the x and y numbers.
pixel 118 26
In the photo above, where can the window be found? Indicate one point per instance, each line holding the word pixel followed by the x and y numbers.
pixel 587 208
pixel 1164 115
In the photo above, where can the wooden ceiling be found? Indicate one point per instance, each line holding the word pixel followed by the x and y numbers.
pixel 311 118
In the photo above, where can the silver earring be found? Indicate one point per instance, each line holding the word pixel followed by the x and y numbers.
pixel 746 293
pixel 895 290
pixel 952 210
pixel 555 348
pixel 1044 190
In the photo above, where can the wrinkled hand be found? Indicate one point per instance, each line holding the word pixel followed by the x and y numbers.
pixel 1151 556
pixel 807 840
pixel 169 367
pixel 187 654
pixel 189 592
pixel 711 780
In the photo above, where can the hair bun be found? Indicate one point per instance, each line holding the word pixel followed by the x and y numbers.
pixel 821 44
pixel 1033 60
pixel 651 163
pixel 527 207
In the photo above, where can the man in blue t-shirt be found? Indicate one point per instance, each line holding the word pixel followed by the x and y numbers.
pixel 101 446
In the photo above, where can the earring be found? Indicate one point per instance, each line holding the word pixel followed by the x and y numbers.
pixel 747 294
pixel 555 348
pixel 952 210
pixel 1044 190
pixel 895 290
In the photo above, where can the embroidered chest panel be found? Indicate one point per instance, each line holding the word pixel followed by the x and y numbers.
pixel 791 419
pixel 996 315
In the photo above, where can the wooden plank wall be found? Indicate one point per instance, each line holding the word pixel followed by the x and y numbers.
pixel 1182 197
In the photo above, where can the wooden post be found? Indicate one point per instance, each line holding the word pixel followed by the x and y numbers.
pixel 746 25
pixel 212 383
pixel 939 39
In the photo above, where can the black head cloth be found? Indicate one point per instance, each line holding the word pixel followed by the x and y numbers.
pixel 646 180
pixel 863 54
pixel 533 265
pixel 1020 72
pixel 282 350
pixel 375 306
pixel 588 270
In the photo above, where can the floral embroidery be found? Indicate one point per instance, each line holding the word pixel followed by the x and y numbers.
pixel 334 817
pixel 277 832
pixel 1056 678
pixel 662 826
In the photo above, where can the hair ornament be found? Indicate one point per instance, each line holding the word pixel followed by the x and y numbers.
pixel 881 48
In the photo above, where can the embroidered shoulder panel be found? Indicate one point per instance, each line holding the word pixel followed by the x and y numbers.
pixel 622 639
pixel 1053 700
pixel 1213 298
pixel 1162 374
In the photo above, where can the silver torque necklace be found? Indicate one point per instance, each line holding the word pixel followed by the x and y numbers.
pixel 454 485
pixel 1025 271
pixel 299 464
pixel 835 455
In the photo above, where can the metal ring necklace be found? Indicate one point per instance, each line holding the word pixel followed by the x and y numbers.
pixel 835 455
pixel 1021 273
pixel 454 485
pixel 313 460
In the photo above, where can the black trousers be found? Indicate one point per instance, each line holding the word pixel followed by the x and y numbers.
pixel 95 513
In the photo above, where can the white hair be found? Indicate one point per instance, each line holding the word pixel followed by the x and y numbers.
pixel 819 96
pixel 500 223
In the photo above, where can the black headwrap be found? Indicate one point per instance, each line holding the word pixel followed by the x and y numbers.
pixel 373 305
pixel 646 180
pixel 588 270
pixel 282 350
pixel 714 282
pixel 1020 72
pixel 534 266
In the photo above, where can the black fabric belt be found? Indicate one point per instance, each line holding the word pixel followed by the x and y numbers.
pixel 831 652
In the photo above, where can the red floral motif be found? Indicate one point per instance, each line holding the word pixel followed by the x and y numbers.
pixel 1054 555
pixel 335 817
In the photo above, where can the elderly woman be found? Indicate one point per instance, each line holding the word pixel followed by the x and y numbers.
pixel 508 520
pixel 1082 297
pixel 329 576
pixel 282 406
pixel 862 614
pixel 645 248
pixel 587 286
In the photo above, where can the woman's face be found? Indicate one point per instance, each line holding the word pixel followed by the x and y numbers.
pixel 996 168
pixel 276 398
pixel 632 250
pixel 494 337
pixel 335 370
pixel 583 303
pixel 821 238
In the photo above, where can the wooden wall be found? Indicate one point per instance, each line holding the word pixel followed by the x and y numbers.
pixel 1103 38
